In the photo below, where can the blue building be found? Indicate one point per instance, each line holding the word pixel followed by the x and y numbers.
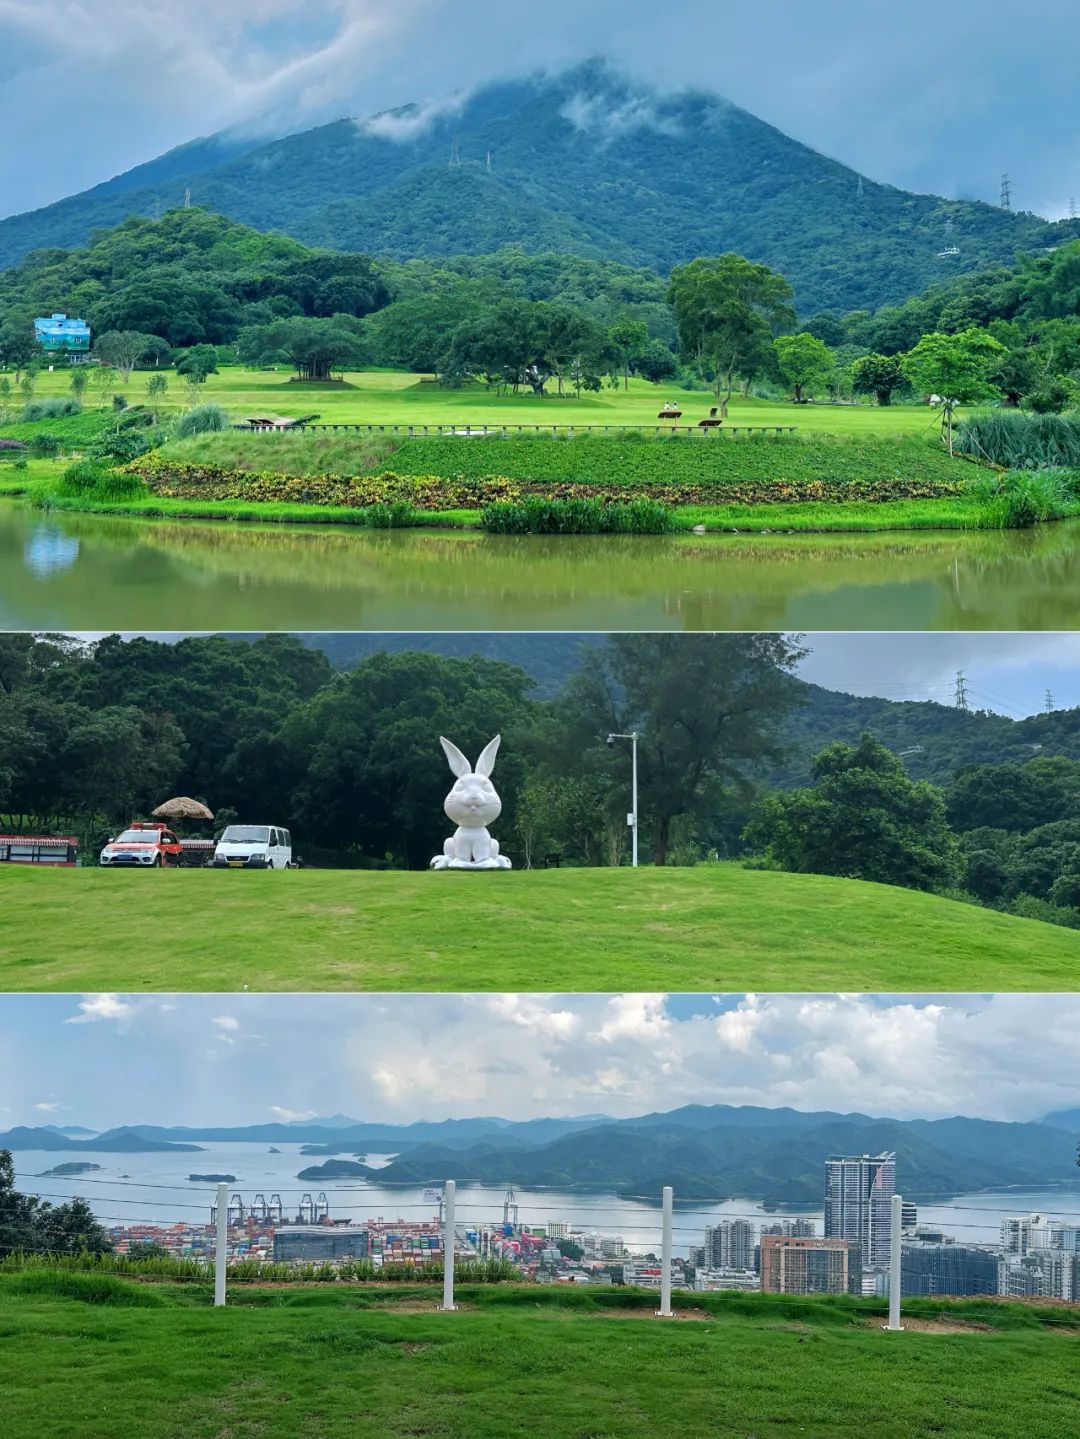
pixel 63 335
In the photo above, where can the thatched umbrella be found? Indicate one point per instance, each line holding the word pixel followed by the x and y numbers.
pixel 182 809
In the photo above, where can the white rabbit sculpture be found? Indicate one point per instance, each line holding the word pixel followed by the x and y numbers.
pixel 472 804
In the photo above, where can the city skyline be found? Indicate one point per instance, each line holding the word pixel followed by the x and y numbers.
pixel 106 1060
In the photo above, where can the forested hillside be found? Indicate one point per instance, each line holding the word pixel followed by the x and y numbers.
pixel 585 163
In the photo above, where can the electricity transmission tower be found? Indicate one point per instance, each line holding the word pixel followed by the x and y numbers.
pixel 961 693
pixel 1074 213
pixel 455 155
pixel 1006 193
pixel 1049 705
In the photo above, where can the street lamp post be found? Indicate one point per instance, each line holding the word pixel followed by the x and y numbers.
pixel 632 817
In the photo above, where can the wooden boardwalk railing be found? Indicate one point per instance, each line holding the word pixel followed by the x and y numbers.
pixel 505 431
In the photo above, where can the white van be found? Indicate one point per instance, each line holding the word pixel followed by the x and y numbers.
pixel 254 846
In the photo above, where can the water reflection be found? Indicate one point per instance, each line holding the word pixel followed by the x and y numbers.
pixel 48 550
pixel 92 572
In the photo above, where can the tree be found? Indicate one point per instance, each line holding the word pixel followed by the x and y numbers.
pixel 314 347
pixel 877 375
pixel 30 1224
pixel 629 339
pixel 18 344
pixel 864 818
pixel 657 363
pixel 80 378
pixel 198 363
pixel 122 349
pixel 708 708
pixel 728 310
pixel 955 368
pixel 804 362
pixel 156 389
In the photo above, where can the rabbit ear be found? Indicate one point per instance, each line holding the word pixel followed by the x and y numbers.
pixel 486 763
pixel 457 761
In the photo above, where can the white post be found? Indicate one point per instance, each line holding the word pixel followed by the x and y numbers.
pixel 633 748
pixel 222 1253
pixel 895 1252
pixel 449 1232
pixel 665 1312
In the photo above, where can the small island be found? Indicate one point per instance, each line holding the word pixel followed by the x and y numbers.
pixel 334 1169
pixel 272 1150
pixel 71 1167
pixel 212 1178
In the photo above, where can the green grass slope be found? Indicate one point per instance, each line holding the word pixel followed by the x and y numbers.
pixel 586 929
pixel 87 1361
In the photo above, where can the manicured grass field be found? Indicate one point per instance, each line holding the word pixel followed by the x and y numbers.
pixel 717 927
pixel 159 1363
pixel 384 397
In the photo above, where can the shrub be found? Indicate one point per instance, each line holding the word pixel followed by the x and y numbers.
pixel 1021 442
pixel 535 515
pixel 50 410
pixel 45 446
pixel 1022 498
pixel 124 445
pixel 201 421
pixel 92 480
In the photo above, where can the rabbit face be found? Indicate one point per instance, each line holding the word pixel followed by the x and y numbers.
pixel 473 802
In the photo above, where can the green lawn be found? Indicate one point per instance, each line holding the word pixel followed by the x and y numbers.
pixel 709 928
pixel 384 397
pixel 157 1363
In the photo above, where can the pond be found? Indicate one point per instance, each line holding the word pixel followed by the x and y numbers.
pixel 84 572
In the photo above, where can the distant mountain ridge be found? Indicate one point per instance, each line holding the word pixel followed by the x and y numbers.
pixel 587 162
pixel 935 739
pixel 707 1152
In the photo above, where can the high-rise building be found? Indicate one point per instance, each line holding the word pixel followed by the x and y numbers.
pixel 1065 1236
pixel 956 1269
pixel 729 1245
pixel 1040 1274
pixel 858 1197
pixel 793 1228
pixel 1030 1231
pixel 809 1266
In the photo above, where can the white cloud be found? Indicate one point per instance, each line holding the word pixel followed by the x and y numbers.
pixel 102 1007
pixel 531 1012
pixel 227 1022
pixel 47 1106
pixel 412 1056
pixel 633 1016
pixel 409 122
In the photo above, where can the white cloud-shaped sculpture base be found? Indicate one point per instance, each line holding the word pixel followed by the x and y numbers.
pixel 498 861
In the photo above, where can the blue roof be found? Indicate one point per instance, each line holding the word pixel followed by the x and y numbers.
pixel 61 324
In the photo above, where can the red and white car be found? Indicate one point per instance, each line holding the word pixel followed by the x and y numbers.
pixel 142 844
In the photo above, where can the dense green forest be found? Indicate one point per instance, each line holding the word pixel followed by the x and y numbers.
pixel 544 163
pixel 740 760
pixel 197 290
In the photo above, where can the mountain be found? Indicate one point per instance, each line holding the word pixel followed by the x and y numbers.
pixel 586 162
pixel 1064 1119
pixel 775 1157
pixel 73 1131
pixel 334 1138
pixel 114 1141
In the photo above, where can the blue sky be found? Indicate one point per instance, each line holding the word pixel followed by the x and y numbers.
pixel 100 1060
pixel 929 97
